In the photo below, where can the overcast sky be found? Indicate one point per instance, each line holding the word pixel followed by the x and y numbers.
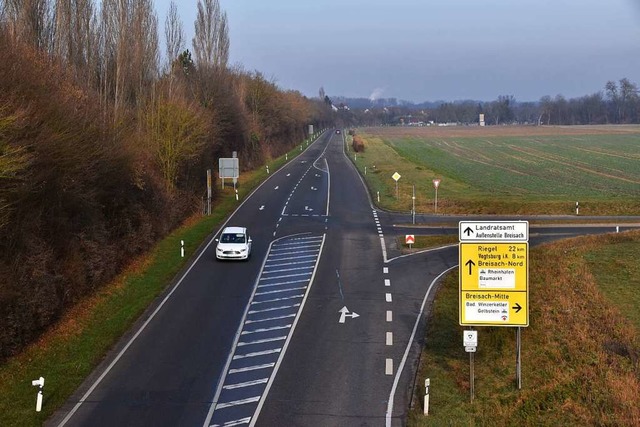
pixel 427 50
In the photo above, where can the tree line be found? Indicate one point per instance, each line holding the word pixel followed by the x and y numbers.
pixel 104 146
pixel 617 103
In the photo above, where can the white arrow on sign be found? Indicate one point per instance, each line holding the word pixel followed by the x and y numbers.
pixel 344 313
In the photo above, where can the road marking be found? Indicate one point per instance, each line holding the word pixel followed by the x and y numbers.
pixel 233 423
pixel 389 340
pixel 261 208
pixel 270 318
pixel 388 367
pixel 285 307
pixel 273 285
pixel 238 402
pixel 387 297
pixel 285 276
pixel 256 354
pixel 385 270
pixel 290 263
pixel 251 368
pixel 245 384
pixel 266 340
pixel 387 282
pixel 389 316
pixel 279 291
pixel 277 186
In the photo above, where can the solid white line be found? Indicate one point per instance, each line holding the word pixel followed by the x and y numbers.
pixel 251 368
pixel 279 291
pixel 269 319
pixel 246 384
pixel 389 340
pixel 284 276
pixel 287 269
pixel 290 263
pixel 274 285
pixel 388 367
pixel 262 341
pixel 256 354
pixel 298 257
pixel 233 423
pixel 387 297
pixel 329 184
pixel 271 256
pixel 387 282
pixel 424 251
pixel 267 301
pixel 259 331
pixel 389 316
pixel 301 245
pixel 284 307
pixel 406 352
pixel 237 402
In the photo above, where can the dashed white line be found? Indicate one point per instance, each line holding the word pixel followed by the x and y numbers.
pixel 389 316
pixel 387 297
pixel 389 340
pixel 385 270
pixel 388 367
pixel 387 282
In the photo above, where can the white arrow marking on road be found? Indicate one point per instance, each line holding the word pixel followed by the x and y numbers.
pixel 344 313
pixel 262 207
pixel 307 208
pixel 314 188
pixel 288 174
pixel 317 175
pixel 277 186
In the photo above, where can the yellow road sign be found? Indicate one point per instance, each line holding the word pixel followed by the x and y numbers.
pixel 494 275
pixel 494 308
pixel 487 265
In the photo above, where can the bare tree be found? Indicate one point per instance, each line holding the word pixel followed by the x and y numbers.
pixel 29 21
pixel 211 40
pixel 173 34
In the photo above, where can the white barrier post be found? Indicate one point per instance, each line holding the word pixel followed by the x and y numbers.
pixel 426 396
pixel 182 248
pixel 39 383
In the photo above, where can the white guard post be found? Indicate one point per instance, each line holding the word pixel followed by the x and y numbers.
pixel 426 396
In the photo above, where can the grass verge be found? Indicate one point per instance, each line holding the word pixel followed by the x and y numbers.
pixel 67 353
pixel 579 354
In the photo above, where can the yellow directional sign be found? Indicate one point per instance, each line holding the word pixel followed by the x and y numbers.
pixel 494 277
pixel 489 265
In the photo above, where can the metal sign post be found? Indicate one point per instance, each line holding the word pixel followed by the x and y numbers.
pixel 518 358
pixel 436 184
pixel 396 176
pixel 470 342
pixel 413 208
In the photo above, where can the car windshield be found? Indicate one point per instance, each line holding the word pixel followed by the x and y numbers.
pixel 232 238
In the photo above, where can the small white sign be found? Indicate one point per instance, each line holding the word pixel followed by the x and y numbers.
pixel 497 278
pixel 494 231
pixel 470 338
pixel 470 349
pixel 396 176
pixel 436 183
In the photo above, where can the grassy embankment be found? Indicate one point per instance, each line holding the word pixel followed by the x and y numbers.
pixel 66 354
pixel 580 354
pixel 512 174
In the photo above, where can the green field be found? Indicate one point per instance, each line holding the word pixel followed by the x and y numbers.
pixel 505 172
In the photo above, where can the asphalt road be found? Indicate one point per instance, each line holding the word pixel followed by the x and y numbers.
pixel 321 327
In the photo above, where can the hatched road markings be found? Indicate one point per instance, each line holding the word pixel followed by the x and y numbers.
pixel 272 314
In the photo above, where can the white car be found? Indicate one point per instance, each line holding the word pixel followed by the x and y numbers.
pixel 234 243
